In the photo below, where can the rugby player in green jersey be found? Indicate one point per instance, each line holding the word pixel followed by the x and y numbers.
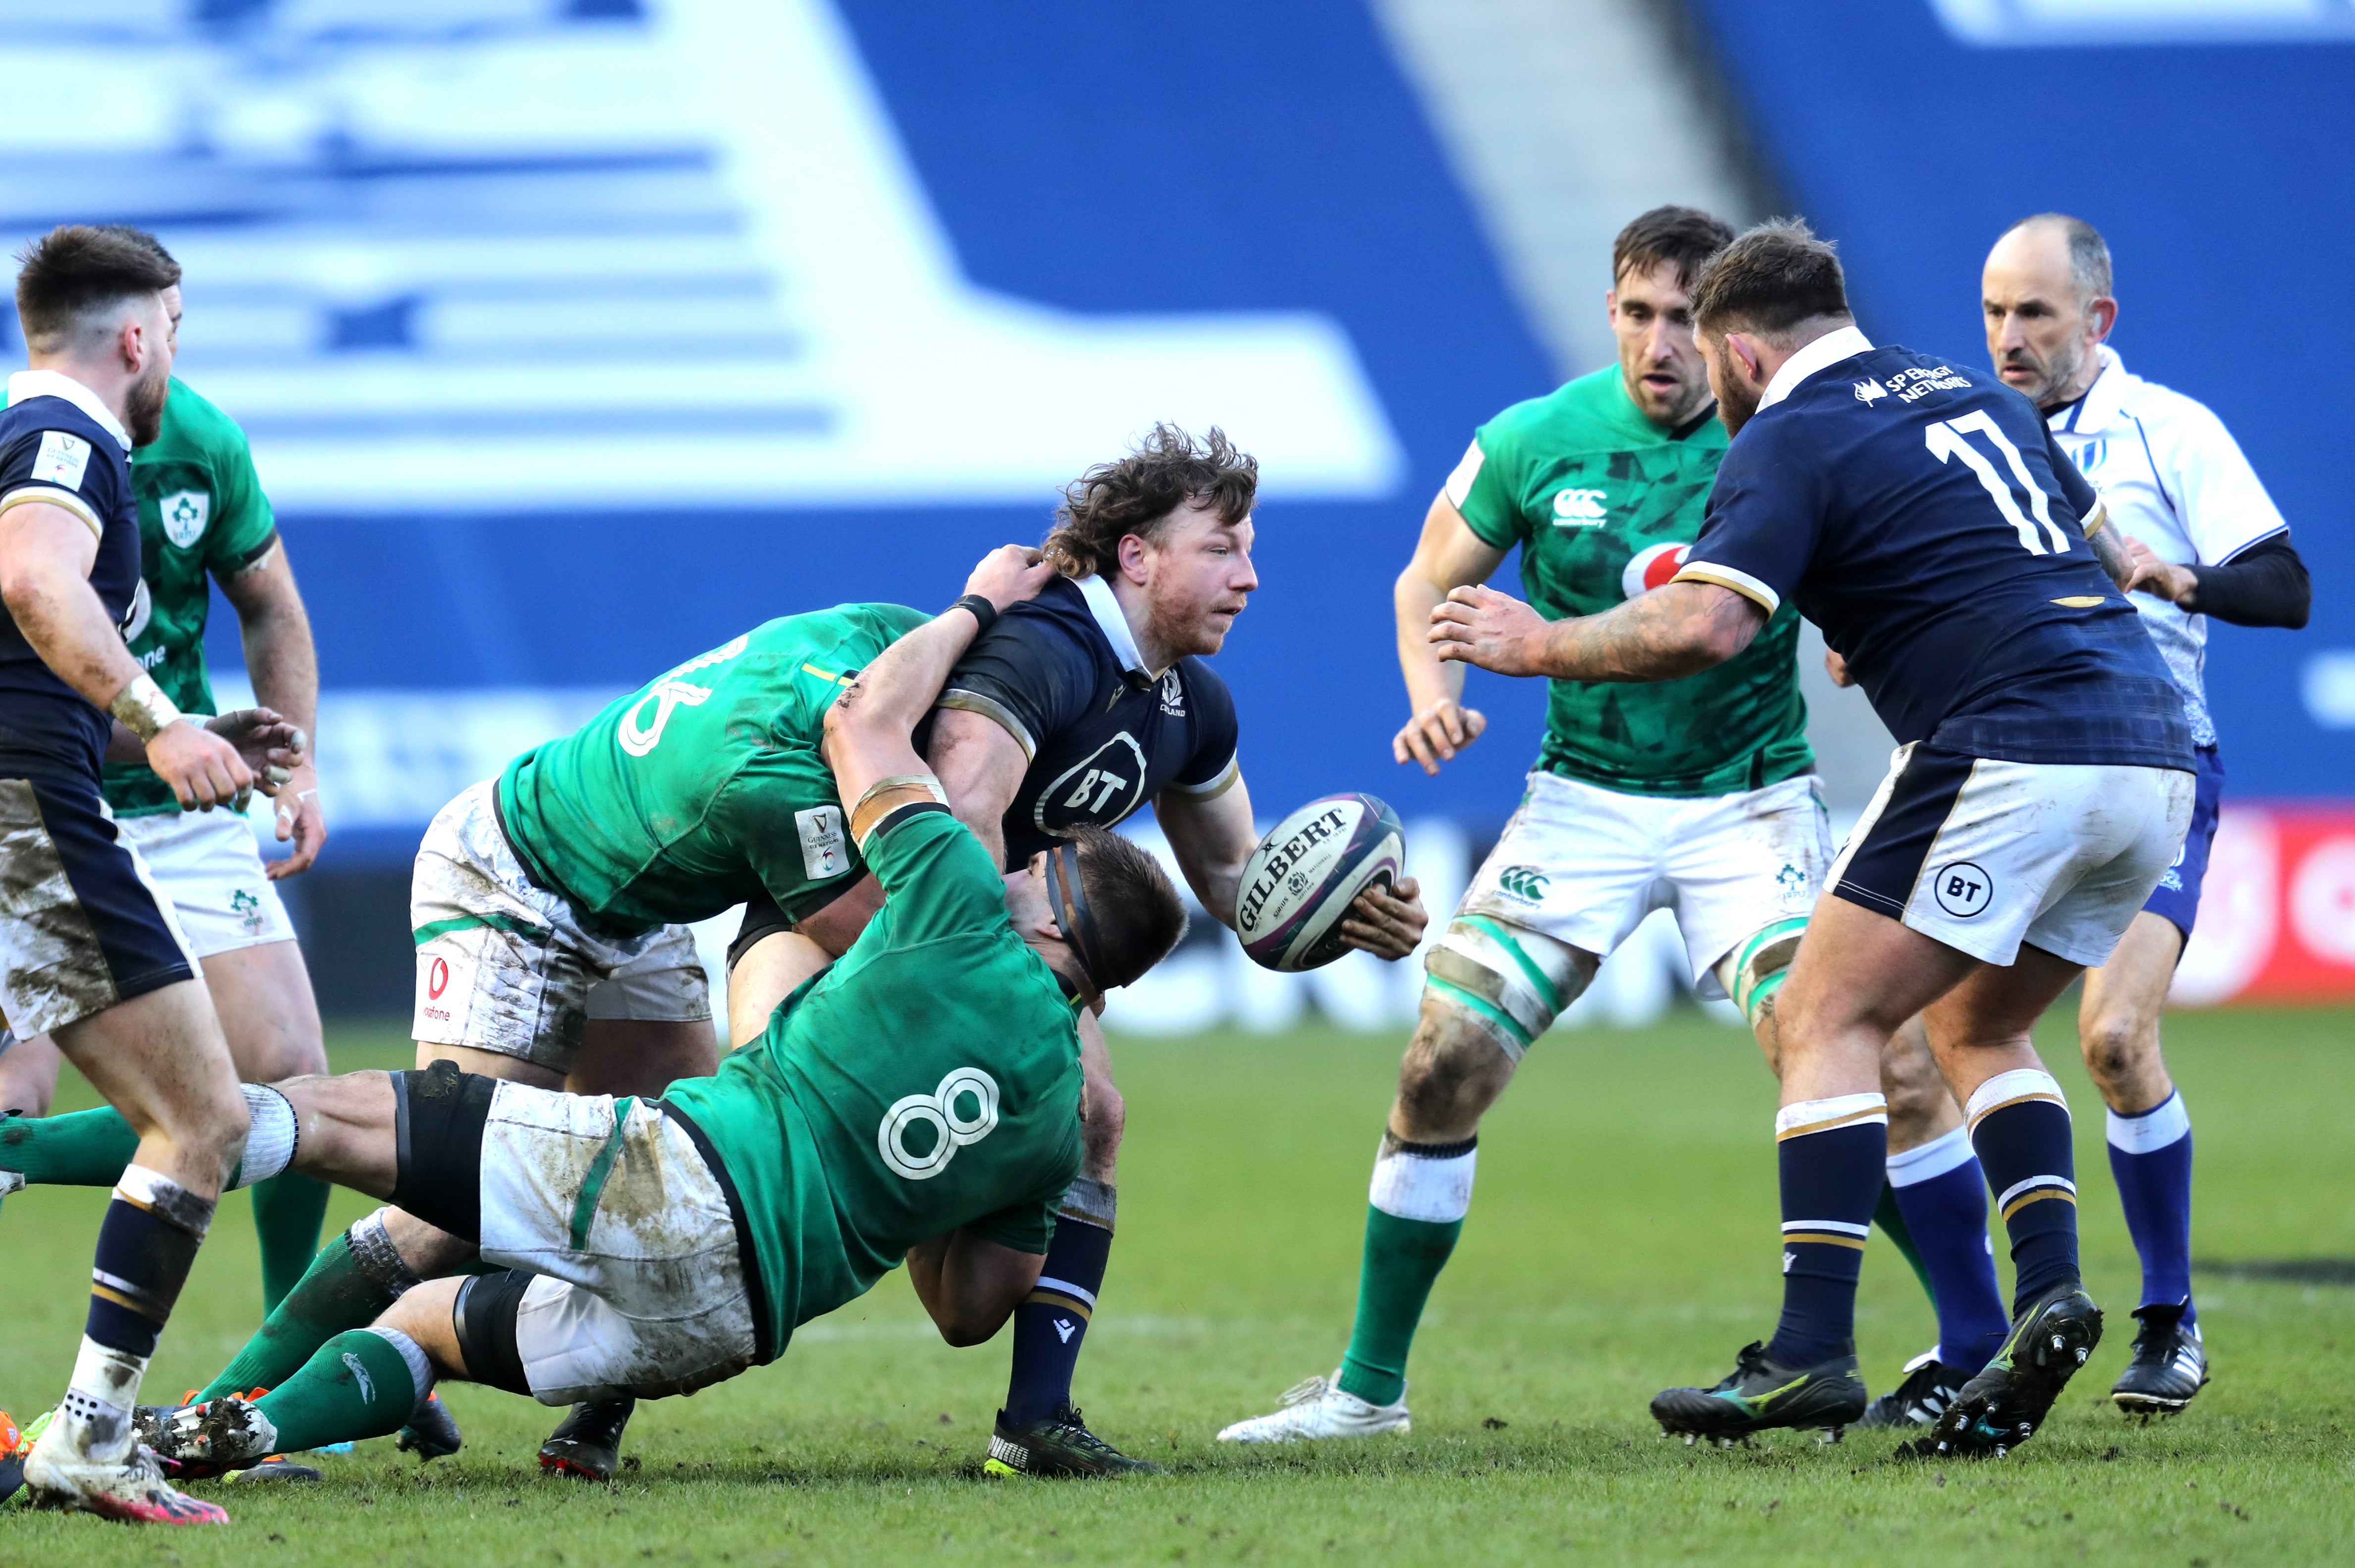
pixel 203 518
pixel 922 1099
pixel 1697 797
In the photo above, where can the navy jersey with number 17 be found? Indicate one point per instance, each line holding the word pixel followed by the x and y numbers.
pixel 1922 516
pixel 1102 733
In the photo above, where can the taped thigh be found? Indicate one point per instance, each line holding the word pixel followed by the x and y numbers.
pixel 1759 964
pixel 1514 982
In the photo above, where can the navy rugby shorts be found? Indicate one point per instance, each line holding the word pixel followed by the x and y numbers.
pixel 2177 897
pixel 82 926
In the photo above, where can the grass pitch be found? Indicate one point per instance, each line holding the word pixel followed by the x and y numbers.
pixel 1623 1239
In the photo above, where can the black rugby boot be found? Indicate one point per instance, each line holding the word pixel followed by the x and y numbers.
pixel 1759 1393
pixel 588 1442
pixel 2169 1366
pixel 2001 1407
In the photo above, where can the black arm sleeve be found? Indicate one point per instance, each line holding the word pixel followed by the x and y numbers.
pixel 2266 586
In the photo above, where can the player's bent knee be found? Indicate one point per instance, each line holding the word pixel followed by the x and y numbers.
pixel 1755 971
pixel 1503 982
pixel 2116 1049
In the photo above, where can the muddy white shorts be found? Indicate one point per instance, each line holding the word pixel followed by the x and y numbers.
pixel 641 1285
pixel 1585 865
pixel 506 966
pixel 210 867
pixel 1984 855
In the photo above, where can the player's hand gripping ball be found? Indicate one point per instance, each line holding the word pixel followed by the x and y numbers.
pixel 1299 884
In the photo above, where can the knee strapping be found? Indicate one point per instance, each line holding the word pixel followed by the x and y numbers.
pixel 1514 982
pixel 1759 964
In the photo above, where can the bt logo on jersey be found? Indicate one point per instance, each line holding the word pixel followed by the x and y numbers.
pixel 1579 508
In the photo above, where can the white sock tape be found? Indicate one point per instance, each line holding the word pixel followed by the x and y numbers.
pixel 1823 1115
pixel 271 1134
pixel 420 1371
pixel 2007 1088
pixel 1928 1161
pixel 2162 1124
pixel 1411 1187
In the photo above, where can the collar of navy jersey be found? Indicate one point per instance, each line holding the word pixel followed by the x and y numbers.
pixel 1105 608
pixel 1842 343
pixel 28 384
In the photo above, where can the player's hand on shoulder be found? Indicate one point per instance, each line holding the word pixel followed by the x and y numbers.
pixel 1009 574
pixel 1484 626
pixel 2147 573
pixel 203 769
pixel 1837 667
pixel 1437 732
pixel 1387 921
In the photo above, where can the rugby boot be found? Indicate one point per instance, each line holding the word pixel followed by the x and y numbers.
pixel 278 1467
pixel 1057 1444
pixel 215 1437
pixel 1318 1408
pixel 132 1489
pixel 588 1442
pixel 12 1447
pixel 2169 1366
pixel 431 1433
pixel 1930 1386
pixel 1759 1393
pixel 2002 1406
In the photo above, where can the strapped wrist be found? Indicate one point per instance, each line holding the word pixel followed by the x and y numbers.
pixel 982 609
pixel 143 708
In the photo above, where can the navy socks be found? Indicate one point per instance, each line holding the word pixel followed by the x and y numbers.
pixel 1942 1195
pixel 1053 1320
pixel 2151 1156
pixel 2020 1125
pixel 1831 1153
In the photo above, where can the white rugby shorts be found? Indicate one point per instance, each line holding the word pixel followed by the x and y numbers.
pixel 641 1283
pixel 1586 865
pixel 208 864
pixel 1984 855
pixel 507 967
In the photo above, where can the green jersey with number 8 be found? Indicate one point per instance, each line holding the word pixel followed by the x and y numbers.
pixel 929 1080
pixel 704 788
pixel 1605 504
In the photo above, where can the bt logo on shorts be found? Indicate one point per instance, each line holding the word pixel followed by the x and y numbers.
pixel 1524 882
pixel 1964 890
pixel 952 1130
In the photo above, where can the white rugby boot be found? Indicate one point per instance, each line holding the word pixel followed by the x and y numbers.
pixel 132 1489
pixel 1318 1409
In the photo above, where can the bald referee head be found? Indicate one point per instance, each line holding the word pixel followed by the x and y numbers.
pixel 2045 292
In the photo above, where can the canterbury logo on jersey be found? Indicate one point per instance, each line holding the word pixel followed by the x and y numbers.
pixel 941 1110
pixel 635 735
pixel 1578 508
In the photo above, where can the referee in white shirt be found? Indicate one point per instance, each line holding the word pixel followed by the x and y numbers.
pixel 2206 540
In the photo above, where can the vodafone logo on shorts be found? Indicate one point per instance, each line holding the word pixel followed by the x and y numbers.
pixel 437 980
pixel 1652 567
pixel 440 1005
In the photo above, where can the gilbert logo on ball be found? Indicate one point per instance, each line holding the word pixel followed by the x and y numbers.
pixel 1299 884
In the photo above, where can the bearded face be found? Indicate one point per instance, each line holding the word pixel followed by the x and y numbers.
pixel 1736 400
pixel 143 404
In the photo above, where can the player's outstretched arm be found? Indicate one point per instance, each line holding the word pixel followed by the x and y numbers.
pixel 870 728
pixel 45 555
pixel 970 1285
pixel 980 767
pixel 1665 634
pixel 1448 556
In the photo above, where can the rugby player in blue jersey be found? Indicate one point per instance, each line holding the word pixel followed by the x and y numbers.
pixel 1922 516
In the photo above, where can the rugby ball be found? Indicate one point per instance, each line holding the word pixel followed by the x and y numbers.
pixel 1300 881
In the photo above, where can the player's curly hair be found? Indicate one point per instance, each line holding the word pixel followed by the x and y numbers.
pixel 1769 281
pixel 1138 915
pixel 1136 494
pixel 77 271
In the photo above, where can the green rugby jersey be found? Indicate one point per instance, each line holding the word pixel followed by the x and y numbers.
pixel 201 514
pixel 705 787
pixel 1603 504
pixel 929 1080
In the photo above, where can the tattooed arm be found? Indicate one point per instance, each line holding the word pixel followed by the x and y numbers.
pixel 1669 633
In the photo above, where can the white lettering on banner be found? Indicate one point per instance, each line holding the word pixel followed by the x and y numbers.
pixel 2322 900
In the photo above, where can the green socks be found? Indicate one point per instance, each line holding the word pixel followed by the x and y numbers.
pixel 1891 1222
pixel 288 1210
pixel 1403 1261
pixel 87 1149
pixel 336 1294
pixel 363 1384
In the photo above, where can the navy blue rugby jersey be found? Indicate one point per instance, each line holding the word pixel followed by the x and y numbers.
pixel 1104 734
pixel 59 444
pixel 1922 516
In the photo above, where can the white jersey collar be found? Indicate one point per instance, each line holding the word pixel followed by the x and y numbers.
pixel 1105 607
pixel 26 384
pixel 2105 401
pixel 1821 355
